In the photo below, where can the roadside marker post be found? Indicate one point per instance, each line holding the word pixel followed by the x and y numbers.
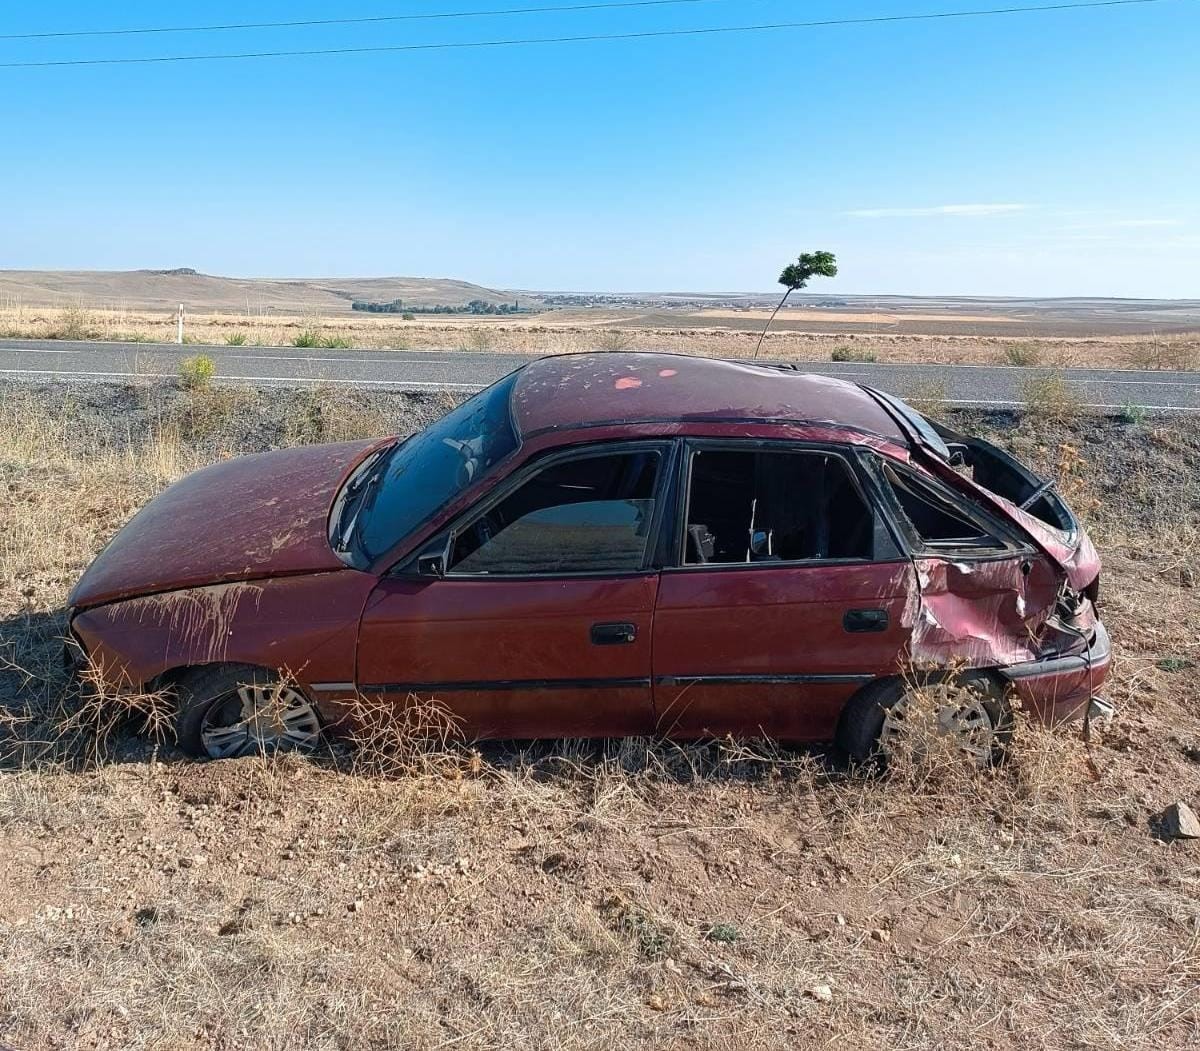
pixel 179 330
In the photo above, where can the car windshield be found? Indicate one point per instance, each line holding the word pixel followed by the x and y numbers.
pixel 431 468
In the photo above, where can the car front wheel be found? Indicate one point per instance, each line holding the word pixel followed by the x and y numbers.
pixel 227 712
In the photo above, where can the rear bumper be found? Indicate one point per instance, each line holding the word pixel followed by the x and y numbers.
pixel 1057 689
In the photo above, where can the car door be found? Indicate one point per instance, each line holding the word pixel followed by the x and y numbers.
pixel 539 624
pixel 788 593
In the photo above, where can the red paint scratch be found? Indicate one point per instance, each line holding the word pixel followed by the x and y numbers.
pixel 628 383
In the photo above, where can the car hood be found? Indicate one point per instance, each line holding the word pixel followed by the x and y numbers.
pixel 251 517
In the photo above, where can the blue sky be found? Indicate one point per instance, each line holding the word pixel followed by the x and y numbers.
pixel 1039 154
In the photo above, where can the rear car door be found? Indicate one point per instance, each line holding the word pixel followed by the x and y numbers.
pixel 540 624
pixel 788 592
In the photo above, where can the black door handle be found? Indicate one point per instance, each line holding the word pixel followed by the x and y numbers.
pixel 614 634
pixel 860 621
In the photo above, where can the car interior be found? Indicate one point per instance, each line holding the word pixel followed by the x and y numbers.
pixel 586 514
pixel 935 521
pixel 749 506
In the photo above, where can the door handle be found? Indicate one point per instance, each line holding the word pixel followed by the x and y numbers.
pixel 614 634
pixel 861 621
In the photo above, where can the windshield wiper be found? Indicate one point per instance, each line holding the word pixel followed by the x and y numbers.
pixel 359 497
pixel 355 494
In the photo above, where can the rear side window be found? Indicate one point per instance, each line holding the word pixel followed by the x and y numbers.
pixel 591 515
pixel 762 505
pixel 934 519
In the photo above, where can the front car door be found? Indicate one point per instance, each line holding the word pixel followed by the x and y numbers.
pixel 788 593
pixel 541 624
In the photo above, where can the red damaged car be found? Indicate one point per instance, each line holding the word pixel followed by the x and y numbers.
pixel 603 545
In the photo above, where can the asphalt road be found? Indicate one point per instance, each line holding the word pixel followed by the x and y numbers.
pixel 458 370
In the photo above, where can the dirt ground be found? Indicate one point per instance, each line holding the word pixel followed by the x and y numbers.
pixel 571 894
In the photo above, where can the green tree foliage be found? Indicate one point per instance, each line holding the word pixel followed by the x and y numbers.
pixel 796 276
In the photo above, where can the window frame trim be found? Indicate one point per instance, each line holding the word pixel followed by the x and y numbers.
pixel 912 541
pixel 846 454
pixel 667 448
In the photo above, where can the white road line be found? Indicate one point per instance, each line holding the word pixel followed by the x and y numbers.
pixel 246 379
pixel 1086 405
pixel 37 350
pixel 339 361
pixel 128 348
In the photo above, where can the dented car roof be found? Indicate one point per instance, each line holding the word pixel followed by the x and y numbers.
pixel 577 391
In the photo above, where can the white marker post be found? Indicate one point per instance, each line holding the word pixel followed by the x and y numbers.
pixel 179 330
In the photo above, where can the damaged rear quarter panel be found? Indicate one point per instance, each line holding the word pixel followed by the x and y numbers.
pixel 306 626
pixel 981 613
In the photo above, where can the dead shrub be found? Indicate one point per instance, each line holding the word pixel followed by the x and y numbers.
pixel 614 339
pixel 1051 396
pixel 412 739
pixel 1022 355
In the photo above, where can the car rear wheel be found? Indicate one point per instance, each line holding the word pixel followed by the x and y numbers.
pixel 968 715
pixel 227 712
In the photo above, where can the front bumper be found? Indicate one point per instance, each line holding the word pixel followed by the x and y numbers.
pixel 1059 688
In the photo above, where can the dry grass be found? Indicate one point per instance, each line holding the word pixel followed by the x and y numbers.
pixel 928 397
pixel 417 893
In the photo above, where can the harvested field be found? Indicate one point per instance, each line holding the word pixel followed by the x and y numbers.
pixel 570 894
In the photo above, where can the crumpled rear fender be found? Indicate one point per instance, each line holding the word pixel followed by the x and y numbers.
pixel 981 613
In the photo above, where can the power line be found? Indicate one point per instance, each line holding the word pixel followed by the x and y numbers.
pixel 352 21
pixel 642 35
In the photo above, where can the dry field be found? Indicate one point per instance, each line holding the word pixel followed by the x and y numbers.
pixel 569 331
pixel 570 895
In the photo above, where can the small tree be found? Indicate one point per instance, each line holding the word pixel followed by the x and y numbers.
pixel 796 276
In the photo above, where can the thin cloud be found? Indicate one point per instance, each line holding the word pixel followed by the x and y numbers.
pixel 1132 224
pixel 959 210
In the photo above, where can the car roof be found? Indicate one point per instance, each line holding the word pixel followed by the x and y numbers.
pixel 577 391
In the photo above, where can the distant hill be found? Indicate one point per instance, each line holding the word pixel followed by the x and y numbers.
pixel 166 289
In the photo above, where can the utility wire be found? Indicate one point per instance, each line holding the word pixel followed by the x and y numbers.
pixel 643 35
pixel 604 6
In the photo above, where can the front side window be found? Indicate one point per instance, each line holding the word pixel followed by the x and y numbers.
pixel 586 515
pixel 423 474
pixel 763 505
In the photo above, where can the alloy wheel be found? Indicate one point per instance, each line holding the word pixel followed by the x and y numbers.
pixel 955 715
pixel 259 719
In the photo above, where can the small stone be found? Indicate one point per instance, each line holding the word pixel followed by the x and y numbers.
pixel 821 993
pixel 841 920
pixel 882 936
pixel 356 905
pixel 1179 821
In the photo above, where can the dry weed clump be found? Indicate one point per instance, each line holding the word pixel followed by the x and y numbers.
pixel 1051 396
pixel 1022 355
pixel 412 739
